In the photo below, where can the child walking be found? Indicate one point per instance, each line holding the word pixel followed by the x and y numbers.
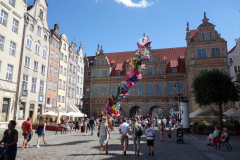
pixel 150 138
pixel 169 132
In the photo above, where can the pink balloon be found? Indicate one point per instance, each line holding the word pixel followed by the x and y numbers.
pixel 108 106
pixel 131 73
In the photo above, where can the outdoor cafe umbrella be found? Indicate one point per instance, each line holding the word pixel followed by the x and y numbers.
pixel 211 113
pixel 236 114
pixel 49 114
pixel 230 112
pixel 193 114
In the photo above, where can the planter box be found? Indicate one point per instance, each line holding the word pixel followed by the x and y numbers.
pixel 200 131
pixel 34 126
pixel 52 128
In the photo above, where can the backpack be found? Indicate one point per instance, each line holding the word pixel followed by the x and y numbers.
pixel 138 131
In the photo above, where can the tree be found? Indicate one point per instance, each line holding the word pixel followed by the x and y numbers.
pixel 214 87
pixel 238 77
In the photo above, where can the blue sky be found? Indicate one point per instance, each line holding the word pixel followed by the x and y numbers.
pixel 118 25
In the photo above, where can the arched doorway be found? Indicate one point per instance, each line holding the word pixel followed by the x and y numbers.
pixel 136 111
pixel 156 111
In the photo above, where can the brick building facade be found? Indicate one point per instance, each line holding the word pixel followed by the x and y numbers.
pixel 169 72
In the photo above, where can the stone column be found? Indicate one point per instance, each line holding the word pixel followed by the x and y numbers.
pixel 185 116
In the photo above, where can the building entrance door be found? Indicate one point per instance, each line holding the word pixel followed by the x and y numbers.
pixel 5 109
pixel 30 114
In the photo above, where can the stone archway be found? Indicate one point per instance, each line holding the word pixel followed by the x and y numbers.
pixel 156 111
pixel 136 111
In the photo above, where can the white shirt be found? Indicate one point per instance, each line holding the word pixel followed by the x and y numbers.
pixel 164 121
pixel 179 125
pixel 124 128
pixel 159 121
pixel 145 123
pixel 150 133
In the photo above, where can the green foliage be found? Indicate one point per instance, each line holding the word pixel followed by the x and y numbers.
pixel 196 125
pixel 204 123
pixel 224 120
pixel 238 76
pixel 214 87
pixel 214 123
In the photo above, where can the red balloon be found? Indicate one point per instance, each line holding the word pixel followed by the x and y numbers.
pixel 104 113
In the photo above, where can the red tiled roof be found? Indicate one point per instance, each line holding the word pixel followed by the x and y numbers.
pixel 90 58
pixel 119 67
pixel 232 49
pixel 193 32
pixel 173 63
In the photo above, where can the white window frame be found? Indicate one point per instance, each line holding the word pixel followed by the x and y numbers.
pixel 44 53
pixel 65 59
pixel 37 48
pixel 4 19
pixel 12 2
pixel 27 62
pixel 2 41
pixel 60 84
pixel 15 26
pixel 56 59
pixel 65 71
pixel 50 85
pixel 63 99
pixel 41 87
pixel 9 74
pixel 55 71
pixel 51 69
pixel 35 66
pixel 64 85
pixel 52 54
pixel 54 86
pixel 59 98
pixel 39 31
pixel 25 82
pixel 34 84
pixel 61 70
pixel 43 69
pixel 12 48
pixel 64 46
pixel 81 80
pixel 29 43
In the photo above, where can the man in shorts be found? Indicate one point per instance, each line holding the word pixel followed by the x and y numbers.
pixel 150 138
pixel 123 130
pixel 27 130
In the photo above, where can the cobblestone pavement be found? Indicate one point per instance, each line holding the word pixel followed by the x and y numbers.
pixel 77 146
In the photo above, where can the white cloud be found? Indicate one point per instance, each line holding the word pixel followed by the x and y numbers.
pixel 141 4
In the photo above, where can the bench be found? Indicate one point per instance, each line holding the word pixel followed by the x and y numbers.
pixel 226 142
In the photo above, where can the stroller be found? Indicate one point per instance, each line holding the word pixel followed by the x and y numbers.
pixel 2 151
pixel 180 135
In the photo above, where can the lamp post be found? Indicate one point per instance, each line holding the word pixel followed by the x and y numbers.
pixel 84 100
pixel 179 97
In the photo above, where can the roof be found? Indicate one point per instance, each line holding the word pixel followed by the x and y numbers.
pixel 172 56
pixel 232 49
pixel 193 32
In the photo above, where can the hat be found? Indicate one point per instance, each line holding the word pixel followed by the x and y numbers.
pixel 104 119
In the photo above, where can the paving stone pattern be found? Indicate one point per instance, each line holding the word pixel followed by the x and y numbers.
pixel 77 146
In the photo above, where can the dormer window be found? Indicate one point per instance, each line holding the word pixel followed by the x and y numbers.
pixel 12 2
pixel 203 37
pixel 41 14
pixel 118 73
pixel 174 70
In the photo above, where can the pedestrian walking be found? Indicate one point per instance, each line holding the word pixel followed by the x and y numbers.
pixel 136 134
pixel 169 132
pixel 27 131
pixel 161 130
pixel 76 125
pixel 170 123
pixel 153 120
pixel 173 122
pixel 123 130
pixel 92 124
pixel 86 126
pixel 41 131
pixel 150 138
pixel 104 134
pixel 10 139
pixel 164 121
pixel 179 126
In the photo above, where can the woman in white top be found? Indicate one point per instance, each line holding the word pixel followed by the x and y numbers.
pixel 170 123
pixel 86 126
pixel 161 128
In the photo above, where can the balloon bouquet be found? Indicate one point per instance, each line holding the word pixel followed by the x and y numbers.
pixel 133 75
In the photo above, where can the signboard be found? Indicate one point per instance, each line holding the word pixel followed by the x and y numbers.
pixel 40 98
pixel 24 93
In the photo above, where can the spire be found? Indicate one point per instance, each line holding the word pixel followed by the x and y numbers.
pixel 187 27
pixel 81 44
pixel 205 19
pixel 205 15
pixel 98 47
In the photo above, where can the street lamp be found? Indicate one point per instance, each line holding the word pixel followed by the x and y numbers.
pixel 179 97
pixel 84 100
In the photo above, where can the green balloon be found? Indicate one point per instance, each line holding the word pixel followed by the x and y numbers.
pixel 116 97
pixel 118 89
pixel 136 66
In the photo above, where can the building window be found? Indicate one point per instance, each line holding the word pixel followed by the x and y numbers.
pixel 78 79
pixel 52 54
pixel 203 37
pixel 12 49
pixel 73 93
pixel 60 83
pixel 69 92
pixel 150 59
pixel 31 28
pixel 44 53
pixel 54 86
pixel 51 69
pixel 15 26
pixel 77 90
pixel 63 99
pixel 61 70
pixel 70 67
pixel 150 89
pixel 65 58
pixel 236 69
pixel 174 70
pixel 56 59
pixel 43 69
pixel 45 38
pixel 140 89
pixel 113 89
pixel 27 62
pixel 131 91
pixel 55 72
pixel 103 90
pixel 104 73
pixel 204 70
pixel 3 18
pixel 73 80
pixel 159 89
pixel 70 79
pixel 201 53
pixel 39 31
pixel 41 14
pixel 12 2
pixel 65 71
pixel 159 72
pixel 35 68
pixel 34 84
pixel 74 68
pixel 88 74
pixel 96 74
pixel 64 84
pixel 59 98
pixel 82 70
pixel 118 73
pixel 149 71
pixel 50 85
pixel 215 52
pixel 57 44
pixel 64 46
pixel 96 91
pixel 179 88
pixel 103 62
pixel 29 43
pixel 41 89
pixel 53 102
pixel 25 82
pixel 2 39
pixel 78 68
pixel 81 81
pixel 170 88
pixel 9 72
pixel 210 36
pixel 61 56
pixel 37 48
pixel 80 91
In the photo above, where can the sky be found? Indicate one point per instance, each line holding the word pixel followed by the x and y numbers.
pixel 118 25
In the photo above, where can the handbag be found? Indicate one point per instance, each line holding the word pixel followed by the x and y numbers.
pixel 36 131
pixel 98 134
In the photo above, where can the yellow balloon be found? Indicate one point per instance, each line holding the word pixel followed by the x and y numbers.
pixel 132 63
pixel 114 107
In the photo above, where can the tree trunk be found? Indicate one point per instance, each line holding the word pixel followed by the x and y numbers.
pixel 220 116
